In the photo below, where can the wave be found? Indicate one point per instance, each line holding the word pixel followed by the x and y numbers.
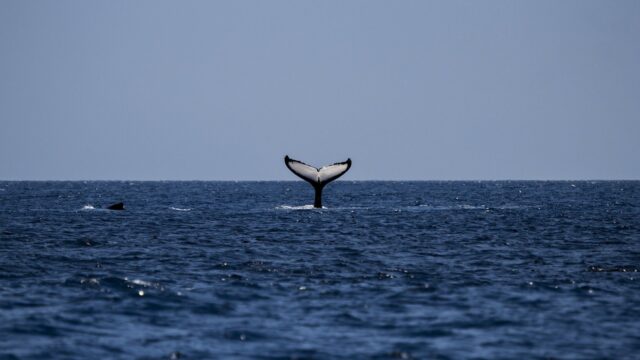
pixel 446 207
pixel 180 209
pixel 464 207
pixel 136 287
pixel 332 208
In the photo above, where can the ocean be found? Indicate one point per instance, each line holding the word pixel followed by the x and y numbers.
pixel 388 270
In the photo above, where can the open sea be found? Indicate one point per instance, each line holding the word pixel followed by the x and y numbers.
pixel 388 270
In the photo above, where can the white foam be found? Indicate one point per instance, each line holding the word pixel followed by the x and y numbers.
pixel 301 207
pixel 180 209
pixel 471 207
pixel 88 207
pixel 512 207
pixel 139 282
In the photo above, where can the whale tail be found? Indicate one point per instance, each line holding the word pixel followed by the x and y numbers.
pixel 318 178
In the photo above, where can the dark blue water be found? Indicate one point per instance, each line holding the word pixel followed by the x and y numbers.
pixel 198 270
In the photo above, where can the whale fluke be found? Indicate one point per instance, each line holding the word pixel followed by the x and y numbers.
pixel 318 178
pixel 116 206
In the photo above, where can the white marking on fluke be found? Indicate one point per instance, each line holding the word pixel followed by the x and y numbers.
pixel 318 178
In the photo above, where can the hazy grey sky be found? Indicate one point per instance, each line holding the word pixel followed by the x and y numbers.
pixel 407 89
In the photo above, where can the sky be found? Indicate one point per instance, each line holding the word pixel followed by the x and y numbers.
pixel 409 90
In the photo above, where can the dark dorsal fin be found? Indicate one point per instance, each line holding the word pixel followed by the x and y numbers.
pixel 116 206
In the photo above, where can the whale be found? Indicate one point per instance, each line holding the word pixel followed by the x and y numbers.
pixel 116 206
pixel 317 177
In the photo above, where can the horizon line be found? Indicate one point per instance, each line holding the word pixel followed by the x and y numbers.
pixel 294 180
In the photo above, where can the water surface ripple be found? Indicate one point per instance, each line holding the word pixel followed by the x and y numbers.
pixel 443 270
